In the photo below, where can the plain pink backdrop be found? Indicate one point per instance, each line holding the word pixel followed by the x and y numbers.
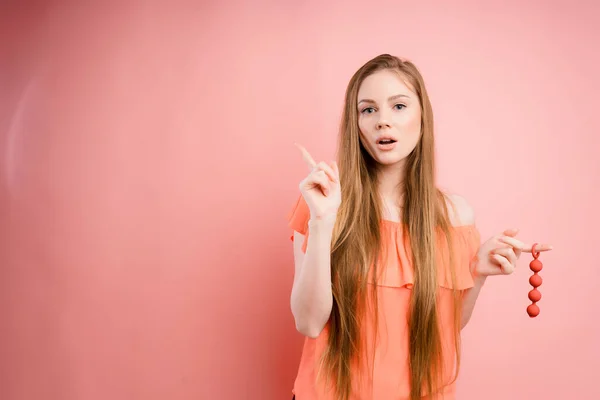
pixel 147 166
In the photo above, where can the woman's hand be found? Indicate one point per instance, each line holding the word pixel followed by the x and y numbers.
pixel 499 254
pixel 321 188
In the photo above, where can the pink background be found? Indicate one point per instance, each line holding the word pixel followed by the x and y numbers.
pixel 147 166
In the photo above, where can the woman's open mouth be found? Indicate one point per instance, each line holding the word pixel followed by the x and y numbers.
pixel 386 144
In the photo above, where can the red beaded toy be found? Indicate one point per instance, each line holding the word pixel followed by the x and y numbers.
pixel 536 281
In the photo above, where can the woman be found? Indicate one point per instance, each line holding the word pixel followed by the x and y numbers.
pixel 376 290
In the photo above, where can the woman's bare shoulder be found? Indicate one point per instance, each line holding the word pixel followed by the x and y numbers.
pixel 459 210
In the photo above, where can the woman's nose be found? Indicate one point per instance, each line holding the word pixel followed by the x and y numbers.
pixel 382 123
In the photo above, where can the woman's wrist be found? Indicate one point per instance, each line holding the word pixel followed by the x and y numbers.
pixel 477 277
pixel 327 218
pixel 322 223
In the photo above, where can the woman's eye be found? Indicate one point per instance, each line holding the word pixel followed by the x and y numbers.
pixel 399 106
pixel 368 110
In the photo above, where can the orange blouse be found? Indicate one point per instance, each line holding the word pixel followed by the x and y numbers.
pixel 387 375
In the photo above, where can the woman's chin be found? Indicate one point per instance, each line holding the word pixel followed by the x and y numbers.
pixel 389 159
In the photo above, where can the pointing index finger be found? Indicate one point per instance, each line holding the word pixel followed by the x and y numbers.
pixel 306 155
pixel 524 247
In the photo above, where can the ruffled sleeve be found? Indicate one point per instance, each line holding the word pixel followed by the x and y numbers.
pixel 298 219
pixel 466 242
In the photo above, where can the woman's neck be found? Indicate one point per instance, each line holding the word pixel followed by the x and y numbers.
pixel 391 189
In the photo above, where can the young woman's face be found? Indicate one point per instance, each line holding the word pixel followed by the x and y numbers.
pixel 389 117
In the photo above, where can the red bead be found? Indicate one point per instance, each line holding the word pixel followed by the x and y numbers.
pixel 535 295
pixel 533 310
pixel 536 265
pixel 535 280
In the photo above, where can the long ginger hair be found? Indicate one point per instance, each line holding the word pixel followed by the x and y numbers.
pixel 356 244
